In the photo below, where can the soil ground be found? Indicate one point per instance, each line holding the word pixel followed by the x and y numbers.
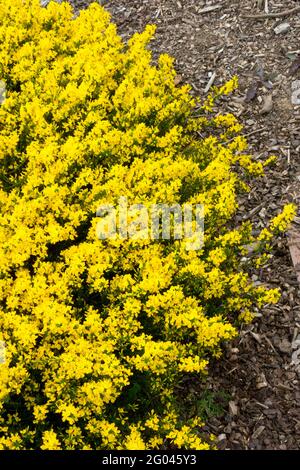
pixel 260 372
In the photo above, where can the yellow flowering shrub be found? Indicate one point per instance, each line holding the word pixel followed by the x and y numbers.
pixel 98 333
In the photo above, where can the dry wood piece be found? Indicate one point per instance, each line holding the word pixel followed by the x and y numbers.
pixel 209 9
pixel 267 104
pixel 263 16
pixel 210 82
pixel 294 245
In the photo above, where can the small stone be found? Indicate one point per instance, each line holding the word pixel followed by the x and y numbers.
pixel 282 28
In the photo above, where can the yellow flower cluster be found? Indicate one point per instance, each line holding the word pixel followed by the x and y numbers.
pixel 98 333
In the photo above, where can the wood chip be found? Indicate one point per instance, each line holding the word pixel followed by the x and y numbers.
pixel 261 381
pixel 209 9
pixel 294 246
pixel 251 92
pixel 267 104
pixel 233 409
pixel 258 432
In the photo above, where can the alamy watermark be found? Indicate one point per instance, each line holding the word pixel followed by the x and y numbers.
pixel 155 222
pixel 2 91
pixel 2 352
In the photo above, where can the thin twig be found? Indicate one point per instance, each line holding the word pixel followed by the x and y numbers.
pixel 271 345
pixel 256 131
pixel 267 7
pixel 263 16
pixel 209 9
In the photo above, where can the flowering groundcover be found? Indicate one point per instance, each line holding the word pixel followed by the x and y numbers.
pixel 99 333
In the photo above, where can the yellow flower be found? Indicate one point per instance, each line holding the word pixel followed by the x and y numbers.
pixel 50 441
